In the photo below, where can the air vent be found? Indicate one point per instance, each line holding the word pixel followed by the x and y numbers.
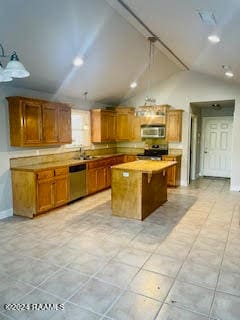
pixel 207 17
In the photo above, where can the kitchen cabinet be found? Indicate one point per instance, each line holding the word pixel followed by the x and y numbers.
pixel 35 122
pixel 122 121
pixel 118 124
pixel 99 173
pixel 40 191
pixel 130 157
pixel 49 123
pixel 135 127
pixel 64 124
pixel 174 173
pixel 174 126
pixel 103 125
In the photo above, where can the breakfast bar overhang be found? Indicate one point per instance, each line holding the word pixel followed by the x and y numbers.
pixel 139 187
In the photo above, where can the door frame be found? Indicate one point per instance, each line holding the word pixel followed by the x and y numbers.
pixel 193 148
pixel 203 128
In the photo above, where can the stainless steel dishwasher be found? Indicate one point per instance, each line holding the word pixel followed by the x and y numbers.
pixel 77 175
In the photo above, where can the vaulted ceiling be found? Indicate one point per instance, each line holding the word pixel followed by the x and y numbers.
pixel 48 35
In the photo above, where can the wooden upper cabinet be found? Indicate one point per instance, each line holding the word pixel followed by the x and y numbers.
pixel 135 125
pixel 174 126
pixel 64 124
pixel 103 124
pixel 50 123
pixel 31 123
pixel 114 125
pixel 124 123
pixel 122 126
pixel 36 122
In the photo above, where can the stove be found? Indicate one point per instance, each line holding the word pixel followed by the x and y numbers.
pixel 154 153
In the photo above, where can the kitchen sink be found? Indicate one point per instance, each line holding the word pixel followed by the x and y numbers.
pixel 87 157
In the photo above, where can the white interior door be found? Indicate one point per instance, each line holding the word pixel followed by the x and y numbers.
pixel 217 146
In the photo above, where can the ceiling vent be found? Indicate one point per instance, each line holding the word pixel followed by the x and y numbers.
pixel 207 17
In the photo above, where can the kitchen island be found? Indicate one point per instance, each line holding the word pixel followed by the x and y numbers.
pixel 139 187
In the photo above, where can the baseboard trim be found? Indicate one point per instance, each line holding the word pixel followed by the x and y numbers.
pixel 6 213
pixel 235 188
pixel 184 183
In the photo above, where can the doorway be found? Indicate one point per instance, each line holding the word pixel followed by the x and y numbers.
pixel 210 139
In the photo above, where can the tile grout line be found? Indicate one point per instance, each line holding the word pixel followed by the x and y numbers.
pixel 220 268
pixel 175 278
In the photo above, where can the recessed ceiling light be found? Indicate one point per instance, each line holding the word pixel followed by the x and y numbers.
pixel 229 74
pixel 77 62
pixel 214 38
pixel 133 85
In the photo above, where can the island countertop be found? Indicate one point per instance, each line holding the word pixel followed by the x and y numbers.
pixel 145 166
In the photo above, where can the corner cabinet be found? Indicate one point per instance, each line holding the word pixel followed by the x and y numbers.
pixel 36 122
pixel 174 126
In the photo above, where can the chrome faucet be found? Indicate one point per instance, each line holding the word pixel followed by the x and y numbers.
pixel 81 152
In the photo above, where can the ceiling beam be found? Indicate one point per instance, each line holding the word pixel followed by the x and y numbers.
pixel 130 11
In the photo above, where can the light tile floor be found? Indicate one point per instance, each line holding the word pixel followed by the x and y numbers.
pixel 181 263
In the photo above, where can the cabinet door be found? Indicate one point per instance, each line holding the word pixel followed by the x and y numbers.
pixel 32 122
pixel 122 126
pixel 101 174
pixel 174 126
pixel 91 180
pixel 45 195
pixel 111 123
pixel 108 177
pixel 130 158
pixel 108 126
pixel 104 127
pixel 64 125
pixel 135 126
pixel 50 123
pixel 61 195
pixel 171 177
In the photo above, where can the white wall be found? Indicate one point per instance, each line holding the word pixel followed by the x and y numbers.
pixel 7 152
pixel 186 87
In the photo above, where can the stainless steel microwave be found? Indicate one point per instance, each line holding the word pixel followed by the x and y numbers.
pixel 153 131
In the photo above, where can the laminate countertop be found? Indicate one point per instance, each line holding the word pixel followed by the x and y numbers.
pixel 145 166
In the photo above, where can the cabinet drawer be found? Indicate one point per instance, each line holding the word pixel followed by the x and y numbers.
pixel 98 164
pixel 46 174
pixel 61 171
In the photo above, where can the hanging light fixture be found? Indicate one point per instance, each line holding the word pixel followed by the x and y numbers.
pixel 14 68
pixel 149 100
pixel 149 106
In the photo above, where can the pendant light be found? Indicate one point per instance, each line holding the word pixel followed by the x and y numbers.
pixel 14 68
pixel 149 100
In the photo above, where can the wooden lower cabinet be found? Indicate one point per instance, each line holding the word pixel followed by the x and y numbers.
pixel 173 173
pixel 61 190
pixel 38 192
pixel 130 157
pixel 96 179
pixel 45 195
pixel 99 173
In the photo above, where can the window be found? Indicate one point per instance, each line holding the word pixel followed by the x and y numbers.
pixel 80 128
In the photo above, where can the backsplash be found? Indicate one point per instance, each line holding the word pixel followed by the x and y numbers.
pixel 27 160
